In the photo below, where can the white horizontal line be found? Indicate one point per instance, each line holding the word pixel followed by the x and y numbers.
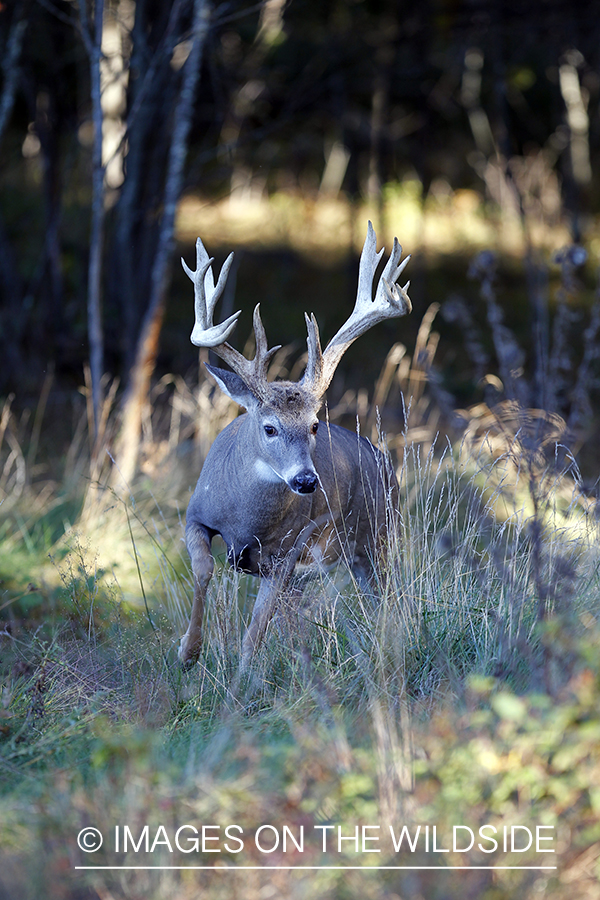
pixel 314 868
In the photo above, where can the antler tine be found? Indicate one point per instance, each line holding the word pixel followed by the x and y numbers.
pixel 390 300
pixel 314 364
pixel 390 275
pixel 263 355
pixel 206 296
pixel 369 260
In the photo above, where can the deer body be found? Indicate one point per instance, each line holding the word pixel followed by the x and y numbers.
pixel 277 485
pixel 260 517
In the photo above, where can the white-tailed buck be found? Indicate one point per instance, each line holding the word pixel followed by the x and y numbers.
pixel 279 486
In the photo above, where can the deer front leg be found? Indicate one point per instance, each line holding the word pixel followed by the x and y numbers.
pixel 264 607
pixel 270 589
pixel 198 545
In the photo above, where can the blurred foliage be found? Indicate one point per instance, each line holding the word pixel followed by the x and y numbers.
pixel 504 760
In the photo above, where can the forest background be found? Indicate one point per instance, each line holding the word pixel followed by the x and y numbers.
pixel 471 130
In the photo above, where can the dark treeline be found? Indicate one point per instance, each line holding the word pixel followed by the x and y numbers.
pixel 111 109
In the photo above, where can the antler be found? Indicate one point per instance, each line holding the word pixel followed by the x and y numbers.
pixel 390 300
pixel 206 334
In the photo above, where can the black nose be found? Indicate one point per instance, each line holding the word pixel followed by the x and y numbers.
pixel 304 483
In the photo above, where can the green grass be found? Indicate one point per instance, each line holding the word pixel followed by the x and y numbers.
pixel 467 695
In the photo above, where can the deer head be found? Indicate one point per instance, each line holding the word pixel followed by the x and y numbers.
pixel 283 414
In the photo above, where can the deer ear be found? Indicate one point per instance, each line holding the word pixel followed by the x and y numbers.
pixel 234 386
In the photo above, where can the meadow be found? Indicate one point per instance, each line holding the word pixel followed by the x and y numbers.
pixel 464 696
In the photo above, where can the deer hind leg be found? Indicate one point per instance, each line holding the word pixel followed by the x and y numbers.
pixel 198 545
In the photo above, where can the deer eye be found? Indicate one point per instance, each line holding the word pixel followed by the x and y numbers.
pixel 314 428
pixel 270 430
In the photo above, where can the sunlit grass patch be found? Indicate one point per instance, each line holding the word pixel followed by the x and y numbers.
pixel 321 226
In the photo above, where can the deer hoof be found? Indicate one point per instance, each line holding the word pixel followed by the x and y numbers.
pixel 188 652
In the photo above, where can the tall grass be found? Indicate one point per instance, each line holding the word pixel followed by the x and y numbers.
pixel 464 688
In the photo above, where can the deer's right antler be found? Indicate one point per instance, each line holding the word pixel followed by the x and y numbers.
pixel 390 300
pixel 206 334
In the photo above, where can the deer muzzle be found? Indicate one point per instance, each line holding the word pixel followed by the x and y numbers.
pixel 304 482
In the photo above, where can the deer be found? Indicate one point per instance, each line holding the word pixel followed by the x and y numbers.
pixel 282 488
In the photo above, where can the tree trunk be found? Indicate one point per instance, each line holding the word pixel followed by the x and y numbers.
pixel 93 44
pixel 151 96
pixel 128 444
pixel 10 63
pixel 10 282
